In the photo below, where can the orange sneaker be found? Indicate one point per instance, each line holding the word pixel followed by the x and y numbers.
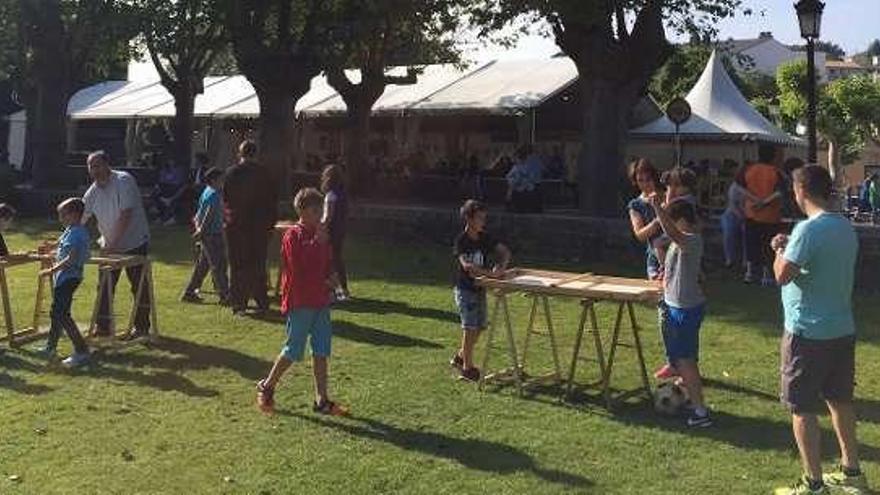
pixel 265 397
pixel 330 408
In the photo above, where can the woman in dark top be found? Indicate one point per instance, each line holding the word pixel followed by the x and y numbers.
pixel 335 218
pixel 645 226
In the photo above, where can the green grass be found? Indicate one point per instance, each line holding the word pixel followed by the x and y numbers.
pixel 179 417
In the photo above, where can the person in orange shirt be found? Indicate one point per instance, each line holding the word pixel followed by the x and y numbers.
pixel 763 215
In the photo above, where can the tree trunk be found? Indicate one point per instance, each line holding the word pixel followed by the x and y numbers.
pixel 277 134
pixel 835 170
pixel 184 103
pixel 49 140
pixel 357 152
pixel 601 160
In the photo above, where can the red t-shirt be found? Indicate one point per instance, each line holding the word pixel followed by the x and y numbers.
pixel 305 265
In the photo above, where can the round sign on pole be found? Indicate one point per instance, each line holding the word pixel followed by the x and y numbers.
pixel 678 111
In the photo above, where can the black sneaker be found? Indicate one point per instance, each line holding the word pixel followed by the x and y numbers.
pixel 697 421
pixel 189 297
pixel 470 374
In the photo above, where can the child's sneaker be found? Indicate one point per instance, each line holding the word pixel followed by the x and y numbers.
pixel 456 361
pixel 666 372
pixel 47 352
pixel 802 487
pixel 696 420
pixel 330 408
pixel 841 482
pixel 265 397
pixel 77 359
pixel 470 374
pixel 190 297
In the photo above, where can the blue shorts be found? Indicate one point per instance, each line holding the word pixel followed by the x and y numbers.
pixel 471 308
pixel 312 323
pixel 681 331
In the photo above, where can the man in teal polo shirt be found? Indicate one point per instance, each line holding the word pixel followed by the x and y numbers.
pixel 815 267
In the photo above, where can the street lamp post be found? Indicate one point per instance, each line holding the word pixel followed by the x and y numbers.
pixel 810 18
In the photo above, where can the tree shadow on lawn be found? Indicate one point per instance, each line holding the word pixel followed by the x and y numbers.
pixel 365 335
pixel 15 383
pixel 744 432
pixel 382 307
pixel 187 355
pixel 471 453
pixel 867 410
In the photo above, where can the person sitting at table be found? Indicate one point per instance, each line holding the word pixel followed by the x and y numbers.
pixel 168 192
pixel 524 181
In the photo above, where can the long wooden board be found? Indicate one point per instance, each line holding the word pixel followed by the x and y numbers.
pixel 585 286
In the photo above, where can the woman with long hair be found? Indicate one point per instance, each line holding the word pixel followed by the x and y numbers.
pixel 335 218
pixel 645 226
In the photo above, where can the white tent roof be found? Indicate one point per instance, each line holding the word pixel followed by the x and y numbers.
pixel 397 98
pixel 495 87
pixel 719 109
pixel 219 92
pixel 503 86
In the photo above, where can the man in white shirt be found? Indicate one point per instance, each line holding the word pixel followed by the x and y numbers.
pixel 114 199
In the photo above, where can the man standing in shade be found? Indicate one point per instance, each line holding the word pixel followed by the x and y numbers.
pixel 815 267
pixel 114 199
pixel 250 204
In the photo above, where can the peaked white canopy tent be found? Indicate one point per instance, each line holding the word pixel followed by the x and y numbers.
pixel 719 111
pixel 723 127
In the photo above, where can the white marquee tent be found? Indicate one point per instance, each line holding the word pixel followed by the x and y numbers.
pixel 719 112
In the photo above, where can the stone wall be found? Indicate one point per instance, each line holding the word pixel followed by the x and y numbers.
pixel 561 237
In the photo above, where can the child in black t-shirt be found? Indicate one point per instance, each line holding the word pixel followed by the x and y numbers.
pixel 473 247
pixel 7 215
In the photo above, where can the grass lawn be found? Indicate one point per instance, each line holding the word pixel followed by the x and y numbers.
pixel 179 417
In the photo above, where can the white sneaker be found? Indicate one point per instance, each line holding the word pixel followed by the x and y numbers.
pixel 77 359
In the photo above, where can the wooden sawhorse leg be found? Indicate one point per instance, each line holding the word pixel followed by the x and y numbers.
pixel 541 300
pixel 615 341
pixel 588 312
pixel 516 368
pixel 7 306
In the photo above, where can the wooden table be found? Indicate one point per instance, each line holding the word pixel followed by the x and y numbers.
pixel 590 290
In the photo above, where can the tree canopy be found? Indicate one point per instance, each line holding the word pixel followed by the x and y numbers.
pixel 848 113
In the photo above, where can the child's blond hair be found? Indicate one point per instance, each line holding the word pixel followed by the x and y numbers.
pixel 307 197
pixel 72 205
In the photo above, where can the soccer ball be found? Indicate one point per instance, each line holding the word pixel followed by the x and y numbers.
pixel 669 398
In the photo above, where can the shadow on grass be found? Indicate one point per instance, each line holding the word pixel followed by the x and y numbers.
pixel 160 380
pixel 187 356
pixel 365 335
pixel 481 455
pixel 382 307
pixel 740 431
pixel 18 385
pixel 867 410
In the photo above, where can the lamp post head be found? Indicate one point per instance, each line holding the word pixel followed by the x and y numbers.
pixel 809 14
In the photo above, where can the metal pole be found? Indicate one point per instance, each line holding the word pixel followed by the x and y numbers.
pixel 677 147
pixel 811 100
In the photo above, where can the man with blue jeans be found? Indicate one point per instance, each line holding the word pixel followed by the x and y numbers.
pixel 815 267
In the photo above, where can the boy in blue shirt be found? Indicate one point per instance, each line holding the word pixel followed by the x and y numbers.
pixel 67 272
pixel 209 233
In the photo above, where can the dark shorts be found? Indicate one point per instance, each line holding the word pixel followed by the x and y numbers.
pixel 815 371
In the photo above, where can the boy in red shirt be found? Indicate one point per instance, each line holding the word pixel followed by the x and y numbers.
pixel 306 281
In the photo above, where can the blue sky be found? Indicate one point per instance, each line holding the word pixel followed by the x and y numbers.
pixel 850 23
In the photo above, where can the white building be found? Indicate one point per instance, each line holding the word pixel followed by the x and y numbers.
pixel 765 54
